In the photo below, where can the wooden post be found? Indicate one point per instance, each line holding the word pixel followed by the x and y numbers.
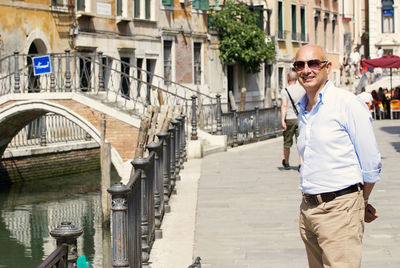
pixel 105 163
pixel 142 139
pixel 243 99
pixel 232 100
pixel 160 97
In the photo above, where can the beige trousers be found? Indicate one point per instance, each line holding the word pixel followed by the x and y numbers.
pixel 332 232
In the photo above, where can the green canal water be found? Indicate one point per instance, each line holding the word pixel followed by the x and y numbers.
pixel 29 211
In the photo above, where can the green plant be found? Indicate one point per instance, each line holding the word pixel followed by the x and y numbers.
pixel 241 40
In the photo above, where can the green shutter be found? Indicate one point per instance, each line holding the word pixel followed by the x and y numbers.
pixel 204 4
pixel 196 4
pixel 168 2
pixel 201 4
pixel 259 12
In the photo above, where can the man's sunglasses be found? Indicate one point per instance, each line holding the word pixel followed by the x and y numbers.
pixel 312 64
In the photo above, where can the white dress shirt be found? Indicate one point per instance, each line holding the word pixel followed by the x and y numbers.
pixel 336 142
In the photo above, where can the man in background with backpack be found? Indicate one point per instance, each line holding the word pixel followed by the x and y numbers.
pixel 291 95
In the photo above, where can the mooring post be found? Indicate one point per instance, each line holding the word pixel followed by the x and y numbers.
pixel 119 207
pixel 67 233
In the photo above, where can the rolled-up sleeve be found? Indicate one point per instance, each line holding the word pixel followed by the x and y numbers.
pixel 359 127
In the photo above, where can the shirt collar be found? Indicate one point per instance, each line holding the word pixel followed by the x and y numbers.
pixel 321 98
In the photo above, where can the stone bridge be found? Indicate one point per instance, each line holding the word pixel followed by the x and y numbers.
pixel 122 129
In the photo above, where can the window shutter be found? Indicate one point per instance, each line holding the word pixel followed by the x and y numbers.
pixel 196 4
pixel 204 4
pixel 167 2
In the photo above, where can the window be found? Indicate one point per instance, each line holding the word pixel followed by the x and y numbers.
pixel 280 21
pixel 147 5
pixel 303 23
pixel 197 63
pixel 125 83
pixel 259 10
pixel 136 8
pixel 268 24
pixel 139 64
pixel 80 5
pixel 201 4
pixel 119 7
pixel 57 2
pixel 294 23
pixel 334 19
pixel 168 61
pixel 316 21
pixel 326 20
pixel 387 16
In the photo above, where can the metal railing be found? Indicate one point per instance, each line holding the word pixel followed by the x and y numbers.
pixel 252 125
pixel 48 129
pixel 139 206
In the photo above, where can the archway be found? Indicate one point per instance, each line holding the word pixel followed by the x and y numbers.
pixel 37 47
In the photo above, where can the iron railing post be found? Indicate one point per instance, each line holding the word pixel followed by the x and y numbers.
pixel 176 124
pixel 119 207
pixel 101 78
pixel 172 145
pixel 276 118
pixel 166 166
pixel 184 137
pixel 52 76
pixel 219 115
pixel 17 86
pixel 194 119
pixel 182 145
pixel 141 164
pixel 256 123
pixel 235 129
pixel 158 186
pixel 67 71
pixel 67 233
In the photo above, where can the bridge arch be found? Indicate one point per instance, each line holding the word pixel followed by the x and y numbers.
pixel 15 116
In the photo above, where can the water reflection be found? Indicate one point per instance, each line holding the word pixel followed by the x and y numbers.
pixel 30 211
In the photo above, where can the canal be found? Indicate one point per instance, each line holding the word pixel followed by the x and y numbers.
pixel 29 211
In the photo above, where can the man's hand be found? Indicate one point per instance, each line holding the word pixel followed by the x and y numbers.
pixel 370 213
pixel 284 125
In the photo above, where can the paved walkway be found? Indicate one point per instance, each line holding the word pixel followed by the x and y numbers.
pixel 246 213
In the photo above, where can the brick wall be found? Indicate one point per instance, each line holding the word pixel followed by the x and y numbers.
pixel 21 169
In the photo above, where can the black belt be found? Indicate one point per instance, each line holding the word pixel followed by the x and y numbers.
pixel 316 199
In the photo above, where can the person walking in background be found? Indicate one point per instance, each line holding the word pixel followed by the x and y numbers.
pixel 355 61
pixel 365 97
pixel 341 164
pixel 289 111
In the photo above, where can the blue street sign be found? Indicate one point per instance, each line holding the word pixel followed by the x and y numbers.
pixel 41 65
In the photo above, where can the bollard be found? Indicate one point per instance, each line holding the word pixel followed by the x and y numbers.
pixel 141 164
pixel 257 126
pixel 194 119
pixel 67 233
pixel 219 115
pixel 235 131
pixel 67 72
pixel 158 187
pixel 16 74
pixel 52 76
pixel 165 162
pixel 119 207
pixel 101 78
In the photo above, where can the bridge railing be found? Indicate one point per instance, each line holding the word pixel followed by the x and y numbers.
pixel 139 206
pixel 48 129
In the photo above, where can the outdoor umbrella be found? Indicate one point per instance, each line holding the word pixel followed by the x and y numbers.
pixel 389 61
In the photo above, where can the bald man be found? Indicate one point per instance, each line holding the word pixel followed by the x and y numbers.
pixel 341 163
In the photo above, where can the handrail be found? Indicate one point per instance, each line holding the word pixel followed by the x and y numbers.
pixel 57 259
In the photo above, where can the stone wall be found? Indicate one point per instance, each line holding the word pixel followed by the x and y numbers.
pixel 35 167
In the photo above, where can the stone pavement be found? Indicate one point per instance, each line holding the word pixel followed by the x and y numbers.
pixel 247 210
